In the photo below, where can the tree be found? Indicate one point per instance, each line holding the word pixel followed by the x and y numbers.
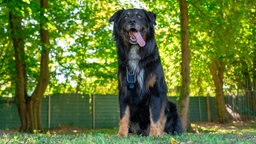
pixel 18 44
pixel 185 67
pixel 246 64
pixel 29 107
pixel 217 69
pixel 36 98
pixel 221 45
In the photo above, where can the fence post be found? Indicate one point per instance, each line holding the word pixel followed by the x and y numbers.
pixel 200 110
pixel 49 111
pixel 93 111
pixel 208 108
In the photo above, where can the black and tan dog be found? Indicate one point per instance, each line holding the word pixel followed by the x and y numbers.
pixel 144 108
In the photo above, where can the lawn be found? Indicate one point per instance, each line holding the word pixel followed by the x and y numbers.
pixel 206 133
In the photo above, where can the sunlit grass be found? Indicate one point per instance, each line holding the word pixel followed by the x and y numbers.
pixel 207 133
pixel 224 128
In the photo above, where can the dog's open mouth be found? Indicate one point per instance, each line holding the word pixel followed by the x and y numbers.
pixel 136 38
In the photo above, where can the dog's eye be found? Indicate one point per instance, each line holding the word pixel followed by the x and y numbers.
pixel 139 16
pixel 126 16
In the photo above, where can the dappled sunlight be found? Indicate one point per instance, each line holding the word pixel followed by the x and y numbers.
pixel 235 116
pixel 220 133
pixel 216 128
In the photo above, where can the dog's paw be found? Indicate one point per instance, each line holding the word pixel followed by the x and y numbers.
pixel 123 131
pixel 122 134
pixel 155 132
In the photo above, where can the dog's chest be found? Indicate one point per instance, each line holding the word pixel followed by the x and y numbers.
pixel 133 64
pixel 134 58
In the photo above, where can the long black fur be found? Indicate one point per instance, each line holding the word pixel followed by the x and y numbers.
pixel 142 99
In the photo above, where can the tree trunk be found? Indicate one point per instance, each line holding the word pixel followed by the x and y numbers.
pixel 185 68
pixel 217 71
pixel 44 76
pixel 20 79
pixel 254 81
pixel 29 108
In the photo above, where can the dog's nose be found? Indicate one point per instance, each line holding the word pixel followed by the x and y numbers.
pixel 132 21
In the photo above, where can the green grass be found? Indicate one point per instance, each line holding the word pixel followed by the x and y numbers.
pixel 206 134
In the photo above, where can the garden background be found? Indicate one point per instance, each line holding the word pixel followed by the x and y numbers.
pixel 58 47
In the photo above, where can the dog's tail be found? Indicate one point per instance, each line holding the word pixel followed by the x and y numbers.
pixel 173 123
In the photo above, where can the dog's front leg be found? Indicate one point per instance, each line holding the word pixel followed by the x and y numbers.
pixel 124 112
pixel 124 121
pixel 157 118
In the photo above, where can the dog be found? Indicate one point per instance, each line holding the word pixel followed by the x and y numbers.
pixel 143 103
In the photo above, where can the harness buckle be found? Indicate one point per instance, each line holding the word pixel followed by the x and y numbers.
pixel 131 78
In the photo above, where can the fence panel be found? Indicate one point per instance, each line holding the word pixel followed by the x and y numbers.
pixel 70 109
pixel 102 111
pixel 9 117
pixel 44 112
pixel 106 114
pixel 241 107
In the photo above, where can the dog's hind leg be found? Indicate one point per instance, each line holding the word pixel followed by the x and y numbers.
pixel 157 117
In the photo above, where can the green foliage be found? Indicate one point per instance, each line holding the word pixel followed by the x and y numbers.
pixel 218 34
pixel 83 53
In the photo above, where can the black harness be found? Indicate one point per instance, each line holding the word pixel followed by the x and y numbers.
pixel 131 78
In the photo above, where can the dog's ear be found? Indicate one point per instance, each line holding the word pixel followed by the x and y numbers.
pixel 152 17
pixel 116 15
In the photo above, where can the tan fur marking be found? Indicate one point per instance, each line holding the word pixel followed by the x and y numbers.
pixel 124 38
pixel 151 81
pixel 156 129
pixel 124 123
pixel 145 37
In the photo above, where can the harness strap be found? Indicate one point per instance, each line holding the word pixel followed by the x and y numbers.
pixel 131 78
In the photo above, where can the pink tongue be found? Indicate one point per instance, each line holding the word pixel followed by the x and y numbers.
pixel 139 38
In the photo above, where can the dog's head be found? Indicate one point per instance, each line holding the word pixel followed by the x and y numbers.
pixel 133 26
